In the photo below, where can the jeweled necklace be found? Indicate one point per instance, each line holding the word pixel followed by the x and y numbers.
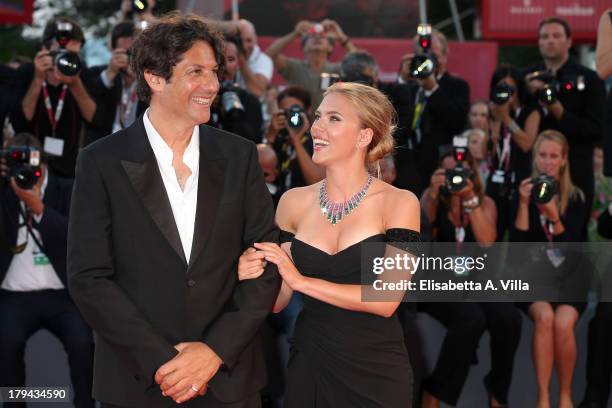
pixel 334 212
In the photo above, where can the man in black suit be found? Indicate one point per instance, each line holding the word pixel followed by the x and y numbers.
pixel 442 102
pixel 33 283
pixel 161 212
pixel 113 87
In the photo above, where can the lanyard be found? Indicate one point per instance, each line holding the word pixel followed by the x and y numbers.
pixel 127 103
pixel 547 227
pixel 54 118
pixel 504 155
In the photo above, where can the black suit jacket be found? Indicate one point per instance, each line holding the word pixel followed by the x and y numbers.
pixel 106 100
pixel 128 274
pixel 445 116
pixel 53 226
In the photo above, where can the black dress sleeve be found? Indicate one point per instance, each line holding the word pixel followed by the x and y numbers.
pixel 285 236
pixel 573 220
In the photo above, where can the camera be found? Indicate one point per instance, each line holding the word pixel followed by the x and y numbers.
pixel 549 93
pixel 139 6
pixel 456 179
pixel 24 165
pixel 423 65
pixel 544 188
pixel 501 93
pixel 67 62
pixel 231 106
pixel 294 117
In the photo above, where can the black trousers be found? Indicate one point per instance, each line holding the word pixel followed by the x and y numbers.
pixel 465 323
pixel 599 356
pixel 21 315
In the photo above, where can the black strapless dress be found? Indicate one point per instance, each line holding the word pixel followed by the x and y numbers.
pixel 342 358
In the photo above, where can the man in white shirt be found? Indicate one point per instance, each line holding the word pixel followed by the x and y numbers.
pixel 162 210
pixel 33 295
pixel 256 72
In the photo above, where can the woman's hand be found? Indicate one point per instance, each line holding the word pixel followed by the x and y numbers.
pixel 275 254
pixel 251 264
pixel 438 179
pixel 550 209
pixel 467 192
pixel 525 191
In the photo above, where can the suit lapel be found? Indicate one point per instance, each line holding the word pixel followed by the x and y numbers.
pixel 210 190
pixel 143 172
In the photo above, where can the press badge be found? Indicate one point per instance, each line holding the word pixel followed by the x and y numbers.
pixel 555 256
pixel 41 260
pixel 498 177
pixel 54 146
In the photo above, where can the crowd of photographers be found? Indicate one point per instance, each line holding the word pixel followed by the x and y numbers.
pixel 516 167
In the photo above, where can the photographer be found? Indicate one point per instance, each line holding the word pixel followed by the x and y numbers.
pixel 544 217
pixel 441 105
pixel 514 128
pixel 113 87
pixel 290 137
pixel 235 109
pixel 54 101
pixel 33 295
pixel 573 101
pixel 466 214
pixel 360 66
pixel 317 41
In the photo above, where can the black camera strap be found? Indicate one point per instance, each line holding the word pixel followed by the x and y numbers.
pixel 26 219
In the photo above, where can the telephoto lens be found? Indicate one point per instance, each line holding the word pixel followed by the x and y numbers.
pixel 544 188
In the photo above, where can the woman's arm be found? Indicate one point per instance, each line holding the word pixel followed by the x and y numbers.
pixel 483 220
pixel 525 138
pixel 403 212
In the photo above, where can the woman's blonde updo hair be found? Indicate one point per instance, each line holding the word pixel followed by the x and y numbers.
pixel 375 112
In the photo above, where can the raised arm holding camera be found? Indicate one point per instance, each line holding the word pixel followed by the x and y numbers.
pixel 513 128
pixel 55 102
pixel 34 211
pixel 236 109
pixel 113 87
pixel 441 103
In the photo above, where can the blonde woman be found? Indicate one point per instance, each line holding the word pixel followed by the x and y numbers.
pixel 558 220
pixel 346 352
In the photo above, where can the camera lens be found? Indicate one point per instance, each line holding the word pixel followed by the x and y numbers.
pixel 67 62
pixel 456 179
pixel 501 93
pixel 294 117
pixel 547 94
pixel 544 188
pixel 139 6
pixel 422 66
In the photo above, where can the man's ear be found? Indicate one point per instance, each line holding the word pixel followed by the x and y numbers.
pixel 155 82
pixel 365 137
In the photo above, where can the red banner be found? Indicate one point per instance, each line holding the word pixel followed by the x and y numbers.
pixel 16 11
pixel 517 20
pixel 472 61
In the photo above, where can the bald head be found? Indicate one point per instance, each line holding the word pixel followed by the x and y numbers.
pixel 248 35
pixel 268 161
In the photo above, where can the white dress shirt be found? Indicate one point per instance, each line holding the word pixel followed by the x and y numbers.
pixel 183 202
pixel 31 270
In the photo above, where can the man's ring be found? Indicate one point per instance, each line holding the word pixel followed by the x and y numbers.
pixel 194 388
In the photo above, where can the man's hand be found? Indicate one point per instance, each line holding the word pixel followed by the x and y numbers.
pixel 333 29
pixel 556 109
pixel 428 83
pixel 71 81
pixel 119 61
pixel 302 27
pixel 31 198
pixel 191 369
pixel 42 64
